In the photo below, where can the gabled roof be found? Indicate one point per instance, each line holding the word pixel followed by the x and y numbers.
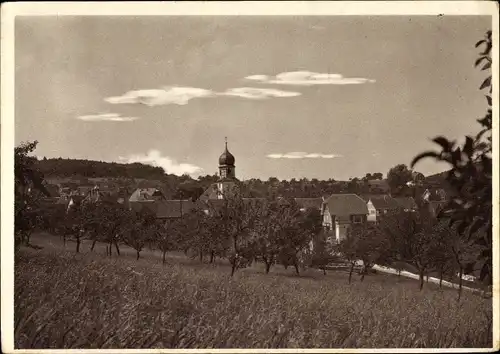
pixel 346 204
pixel 309 202
pixel 382 201
pixel 406 202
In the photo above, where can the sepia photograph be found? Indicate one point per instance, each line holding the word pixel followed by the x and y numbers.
pixel 250 176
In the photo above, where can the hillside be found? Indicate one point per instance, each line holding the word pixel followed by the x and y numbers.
pixel 91 169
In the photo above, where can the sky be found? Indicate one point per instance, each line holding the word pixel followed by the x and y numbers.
pixel 313 96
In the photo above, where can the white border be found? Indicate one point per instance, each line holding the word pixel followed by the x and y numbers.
pixel 361 8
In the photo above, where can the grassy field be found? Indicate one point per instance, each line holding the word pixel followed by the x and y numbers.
pixel 68 300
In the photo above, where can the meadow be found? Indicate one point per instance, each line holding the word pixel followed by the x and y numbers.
pixel 87 300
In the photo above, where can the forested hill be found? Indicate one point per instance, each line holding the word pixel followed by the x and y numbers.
pixel 60 167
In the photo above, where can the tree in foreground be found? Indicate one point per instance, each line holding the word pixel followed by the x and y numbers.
pixel 29 189
pixel 471 175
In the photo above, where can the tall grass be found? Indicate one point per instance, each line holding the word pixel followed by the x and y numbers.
pixel 82 301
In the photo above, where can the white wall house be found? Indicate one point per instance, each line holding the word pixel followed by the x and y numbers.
pixel 340 212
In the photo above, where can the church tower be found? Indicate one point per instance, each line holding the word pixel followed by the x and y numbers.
pixel 226 165
pixel 227 176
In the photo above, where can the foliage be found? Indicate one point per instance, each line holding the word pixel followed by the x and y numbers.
pixel 29 189
pixel 398 177
pixel 411 239
pixel 471 174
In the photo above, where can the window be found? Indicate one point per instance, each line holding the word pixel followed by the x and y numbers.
pixel 357 219
pixel 372 212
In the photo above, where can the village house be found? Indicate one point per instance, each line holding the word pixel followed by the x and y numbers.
pixel 379 205
pixel 340 212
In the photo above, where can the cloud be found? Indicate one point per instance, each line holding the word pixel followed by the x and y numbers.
pixel 303 155
pixel 307 78
pixel 154 158
pixel 156 97
pixel 103 117
pixel 258 93
pixel 182 95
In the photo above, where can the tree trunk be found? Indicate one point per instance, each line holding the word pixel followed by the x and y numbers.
pixel 109 248
pixel 64 239
pixel 201 257
pixel 93 245
pixel 137 251
pixel 296 265
pixel 163 257
pixel 421 279
pixel 441 272
pixel 460 283
pixel 212 256
pixel 324 270
pixel 350 272
pixel 399 272
pixel 268 266
pixel 363 271
pixel 117 248
pixel 78 245
pixel 233 266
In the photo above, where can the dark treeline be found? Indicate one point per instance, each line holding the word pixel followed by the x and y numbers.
pixel 135 175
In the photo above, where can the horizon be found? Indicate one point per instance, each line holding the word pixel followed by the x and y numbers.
pixel 298 97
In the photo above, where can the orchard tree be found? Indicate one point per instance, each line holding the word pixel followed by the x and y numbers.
pixel 348 249
pixel 322 253
pixel 29 189
pixel 138 230
pixel 410 236
pixel 471 174
pixel 168 236
pixel 237 217
pixel 370 246
pixel 295 236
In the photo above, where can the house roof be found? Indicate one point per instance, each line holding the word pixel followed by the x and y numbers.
pixel 142 194
pixel 309 202
pixel 346 204
pixel 406 202
pixel 164 209
pixel 382 201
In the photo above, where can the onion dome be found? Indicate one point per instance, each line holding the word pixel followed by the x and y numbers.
pixel 226 158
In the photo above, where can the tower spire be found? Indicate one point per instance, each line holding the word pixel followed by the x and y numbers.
pixel 225 139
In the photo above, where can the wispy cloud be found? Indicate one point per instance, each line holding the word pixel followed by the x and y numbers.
pixel 164 96
pixel 182 95
pixel 155 158
pixel 307 78
pixel 303 155
pixel 106 117
pixel 255 93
